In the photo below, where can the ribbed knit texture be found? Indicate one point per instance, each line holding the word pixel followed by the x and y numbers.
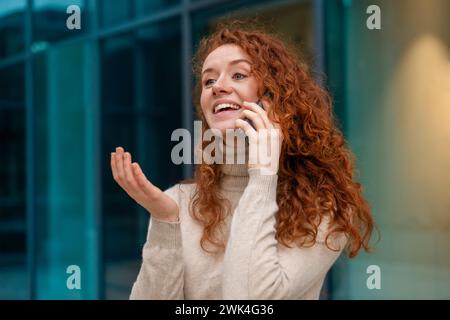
pixel 253 266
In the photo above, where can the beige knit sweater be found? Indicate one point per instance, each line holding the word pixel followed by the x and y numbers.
pixel 254 265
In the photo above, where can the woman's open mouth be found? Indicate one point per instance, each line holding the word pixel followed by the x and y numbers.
pixel 226 108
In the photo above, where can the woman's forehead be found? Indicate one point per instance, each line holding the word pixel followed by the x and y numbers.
pixel 225 54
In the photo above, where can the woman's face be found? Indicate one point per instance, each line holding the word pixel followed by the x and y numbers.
pixel 226 83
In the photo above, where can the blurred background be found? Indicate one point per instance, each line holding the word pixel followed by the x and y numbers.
pixel 69 97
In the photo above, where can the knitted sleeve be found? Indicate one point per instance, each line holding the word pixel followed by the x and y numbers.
pixel 254 267
pixel 161 275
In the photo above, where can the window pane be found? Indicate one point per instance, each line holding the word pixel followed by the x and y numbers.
pixel 141 106
pixel 395 85
pixel 113 12
pixel 148 7
pixel 65 182
pixel 117 64
pixel 13 267
pixel 12 26
pixel 50 17
pixel 293 21
pixel 120 11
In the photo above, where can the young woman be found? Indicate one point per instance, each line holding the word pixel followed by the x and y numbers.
pixel 252 231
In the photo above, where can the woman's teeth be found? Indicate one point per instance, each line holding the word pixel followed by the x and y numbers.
pixel 223 106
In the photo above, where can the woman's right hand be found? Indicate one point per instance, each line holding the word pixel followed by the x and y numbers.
pixel 131 178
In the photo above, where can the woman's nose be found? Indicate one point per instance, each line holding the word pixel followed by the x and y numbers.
pixel 220 87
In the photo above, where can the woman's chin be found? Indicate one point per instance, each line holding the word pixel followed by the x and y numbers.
pixel 223 126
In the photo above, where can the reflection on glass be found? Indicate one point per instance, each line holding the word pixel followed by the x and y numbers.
pixel 395 85
pixel 121 11
pixel 141 106
pixel 13 268
pixel 113 12
pixel 294 21
pixel 49 20
pixel 12 26
pixel 65 185
pixel 148 7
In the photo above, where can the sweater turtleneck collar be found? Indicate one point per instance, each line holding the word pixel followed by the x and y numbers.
pixel 235 176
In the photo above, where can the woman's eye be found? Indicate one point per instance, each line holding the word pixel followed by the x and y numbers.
pixel 240 75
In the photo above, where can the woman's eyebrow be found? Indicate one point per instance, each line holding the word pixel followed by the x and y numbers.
pixel 230 63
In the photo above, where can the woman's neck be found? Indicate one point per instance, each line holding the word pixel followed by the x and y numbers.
pixel 235 150
pixel 235 169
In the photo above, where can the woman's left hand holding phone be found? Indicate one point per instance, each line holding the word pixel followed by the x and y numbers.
pixel 263 136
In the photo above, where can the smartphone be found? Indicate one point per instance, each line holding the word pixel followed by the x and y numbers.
pixel 259 103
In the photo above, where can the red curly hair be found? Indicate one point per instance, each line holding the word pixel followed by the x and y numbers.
pixel 315 174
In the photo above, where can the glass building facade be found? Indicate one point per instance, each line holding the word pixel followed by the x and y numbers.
pixel 68 97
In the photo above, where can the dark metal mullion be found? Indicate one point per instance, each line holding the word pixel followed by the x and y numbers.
pixel 30 145
pixel 13 60
pixel 319 70
pixel 149 19
pixel 319 39
pixel 186 76
pixel 335 18
pixel 204 4
pixel 133 9
pixel 139 22
pixel 94 7
pixel 140 117
pixel 344 53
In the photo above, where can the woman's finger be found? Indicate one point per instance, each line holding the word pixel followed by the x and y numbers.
pixel 252 139
pixel 255 118
pixel 144 184
pixel 260 111
pixel 119 165
pixel 120 173
pixel 248 129
pixel 129 176
pixel 113 166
